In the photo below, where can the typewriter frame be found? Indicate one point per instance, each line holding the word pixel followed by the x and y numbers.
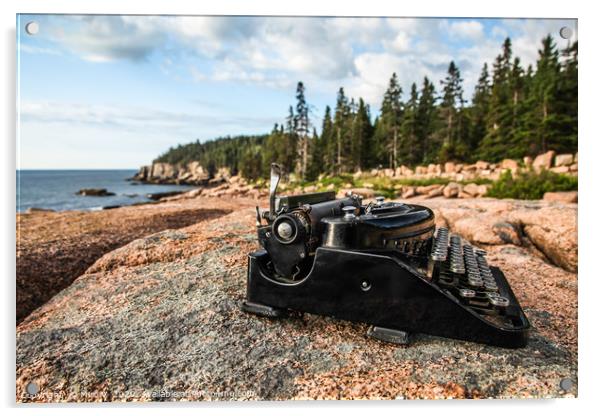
pixel 397 292
pixel 382 290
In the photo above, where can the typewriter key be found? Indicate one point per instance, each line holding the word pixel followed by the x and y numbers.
pixel 499 301
pixel 467 293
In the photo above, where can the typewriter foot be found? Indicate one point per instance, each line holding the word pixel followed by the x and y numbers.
pixel 393 336
pixel 263 310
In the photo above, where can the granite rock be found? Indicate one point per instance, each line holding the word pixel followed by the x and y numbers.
pixel 568 197
pixel 548 228
pixel 54 248
pixel 159 320
pixel 544 161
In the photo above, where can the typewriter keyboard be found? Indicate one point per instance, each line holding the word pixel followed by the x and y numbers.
pixel 463 270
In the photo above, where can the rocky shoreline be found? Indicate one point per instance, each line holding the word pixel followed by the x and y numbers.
pixel 195 174
pixel 158 317
pixel 461 181
pixel 152 198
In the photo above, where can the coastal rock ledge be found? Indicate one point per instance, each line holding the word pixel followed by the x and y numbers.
pixel 159 319
pixel 195 174
pixel 192 173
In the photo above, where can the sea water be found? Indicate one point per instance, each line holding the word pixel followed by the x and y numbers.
pixel 56 189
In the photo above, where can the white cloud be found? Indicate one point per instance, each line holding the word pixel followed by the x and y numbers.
pixel 401 43
pixel 37 50
pixel 357 53
pixel 471 29
pixel 499 32
pixel 374 72
pixel 108 38
pixel 143 119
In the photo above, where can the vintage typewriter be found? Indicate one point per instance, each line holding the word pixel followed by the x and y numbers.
pixel 383 263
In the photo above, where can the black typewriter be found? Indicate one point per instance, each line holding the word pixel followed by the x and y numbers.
pixel 382 263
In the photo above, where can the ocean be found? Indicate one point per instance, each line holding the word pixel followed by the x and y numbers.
pixel 55 189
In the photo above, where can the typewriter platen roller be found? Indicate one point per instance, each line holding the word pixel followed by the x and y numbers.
pixel 383 263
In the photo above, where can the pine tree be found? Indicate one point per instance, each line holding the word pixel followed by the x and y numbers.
pixel 279 148
pixel 291 141
pixel 479 110
pixel 409 130
pixel 500 117
pixel 527 120
pixel 546 85
pixel 348 149
pixel 302 130
pixel 329 142
pixel 316 163
pixel 567 102
pixel 391 112
pixel 451 109
pixel 272 152
pixel 341 129
pixel 524 120
pixel 426 122
pixel 361 135
pixel 251 162
pixel 378 152
pixel 516 81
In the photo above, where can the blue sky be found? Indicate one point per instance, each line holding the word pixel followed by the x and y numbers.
pixel 116 91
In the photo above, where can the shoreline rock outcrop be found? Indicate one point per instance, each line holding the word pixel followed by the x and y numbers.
pixel 94 192
pixel 165 173
pixel 195 174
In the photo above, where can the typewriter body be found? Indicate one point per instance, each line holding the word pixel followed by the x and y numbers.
pixel 382 263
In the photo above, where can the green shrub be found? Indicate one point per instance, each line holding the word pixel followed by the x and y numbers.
pixel 384 186
pixel 338 181
pixel 531 185
pixel 526 185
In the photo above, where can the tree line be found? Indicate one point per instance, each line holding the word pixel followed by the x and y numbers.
pixel 513 112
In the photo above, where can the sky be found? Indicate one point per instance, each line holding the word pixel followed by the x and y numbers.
pixel 111 92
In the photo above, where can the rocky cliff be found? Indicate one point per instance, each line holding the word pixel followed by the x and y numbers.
pixel 159 319
pixel 191 173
